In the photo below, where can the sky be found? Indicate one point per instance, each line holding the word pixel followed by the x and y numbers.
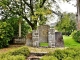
pixel 68 7
pixel 65 7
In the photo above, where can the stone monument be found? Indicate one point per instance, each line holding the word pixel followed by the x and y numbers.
pixel 48 35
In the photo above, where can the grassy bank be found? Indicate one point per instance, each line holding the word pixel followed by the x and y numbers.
pixel 69 42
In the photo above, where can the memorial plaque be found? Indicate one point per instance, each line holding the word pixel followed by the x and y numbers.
pixel 19 40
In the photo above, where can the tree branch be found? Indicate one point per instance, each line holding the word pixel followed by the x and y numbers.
pixel 42 3
pixel 26 3
pixel 30 5
pixel 59 14
pixel 28 21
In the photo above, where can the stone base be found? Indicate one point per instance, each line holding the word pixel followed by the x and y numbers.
pixel 19 40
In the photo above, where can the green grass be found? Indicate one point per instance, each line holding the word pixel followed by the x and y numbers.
pixel 69 42
pixel 43 44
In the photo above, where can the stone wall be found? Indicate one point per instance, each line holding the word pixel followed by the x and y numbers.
pixel 29 39
pixel 43 33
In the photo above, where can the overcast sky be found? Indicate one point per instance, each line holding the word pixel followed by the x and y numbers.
pixel 69 7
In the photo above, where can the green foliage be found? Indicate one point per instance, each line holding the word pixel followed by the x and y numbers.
pixel 14 22
pixel 6 33
pixel 67 24
pixel 72 34
pixel 9 29
pixel 17 57
pixel 17 8
pixel 59 54
pixel 77 58
pixel 18 54
pixel 21 51
pixel 48 58
pixel 66 54
pixel 68 58
pixel 76 36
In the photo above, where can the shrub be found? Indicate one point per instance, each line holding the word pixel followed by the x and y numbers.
pixel 48 58
pixel 17 57
pixel 68 58
pixel 59 54
pixel 6 33
pixel 76 36
pixel 66 54
pixel 72 34
pixel 69 53
pixel 21 51
pixel 17 54
pixel 77 58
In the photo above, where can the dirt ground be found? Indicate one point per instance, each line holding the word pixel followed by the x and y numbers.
pixel 11 47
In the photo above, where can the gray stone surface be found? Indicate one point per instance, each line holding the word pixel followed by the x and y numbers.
pixel 43 33
pixel 51 38
pixel 29 39
pixel 59 39
pixel 35 38
pixel 19 40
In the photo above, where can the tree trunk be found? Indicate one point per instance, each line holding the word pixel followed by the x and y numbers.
pixel 78 14
pixel 34 27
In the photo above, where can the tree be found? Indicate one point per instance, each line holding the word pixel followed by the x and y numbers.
pixel 67 24
pixel 32 11
pixel 9 30
pixel 6 34
pixel 78 15
pixel 13 21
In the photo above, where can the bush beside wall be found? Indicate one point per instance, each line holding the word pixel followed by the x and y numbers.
pixel 66 54
pixel 17 54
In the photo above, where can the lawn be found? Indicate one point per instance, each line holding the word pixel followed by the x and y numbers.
pixel 42 44
pixel 69 42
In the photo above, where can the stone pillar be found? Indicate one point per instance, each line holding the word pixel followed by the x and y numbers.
pixel 59 39
pixel 35 38
pixel 51 38
pixel 19 28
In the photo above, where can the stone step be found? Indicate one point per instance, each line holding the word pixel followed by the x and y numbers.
pixel 36 56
